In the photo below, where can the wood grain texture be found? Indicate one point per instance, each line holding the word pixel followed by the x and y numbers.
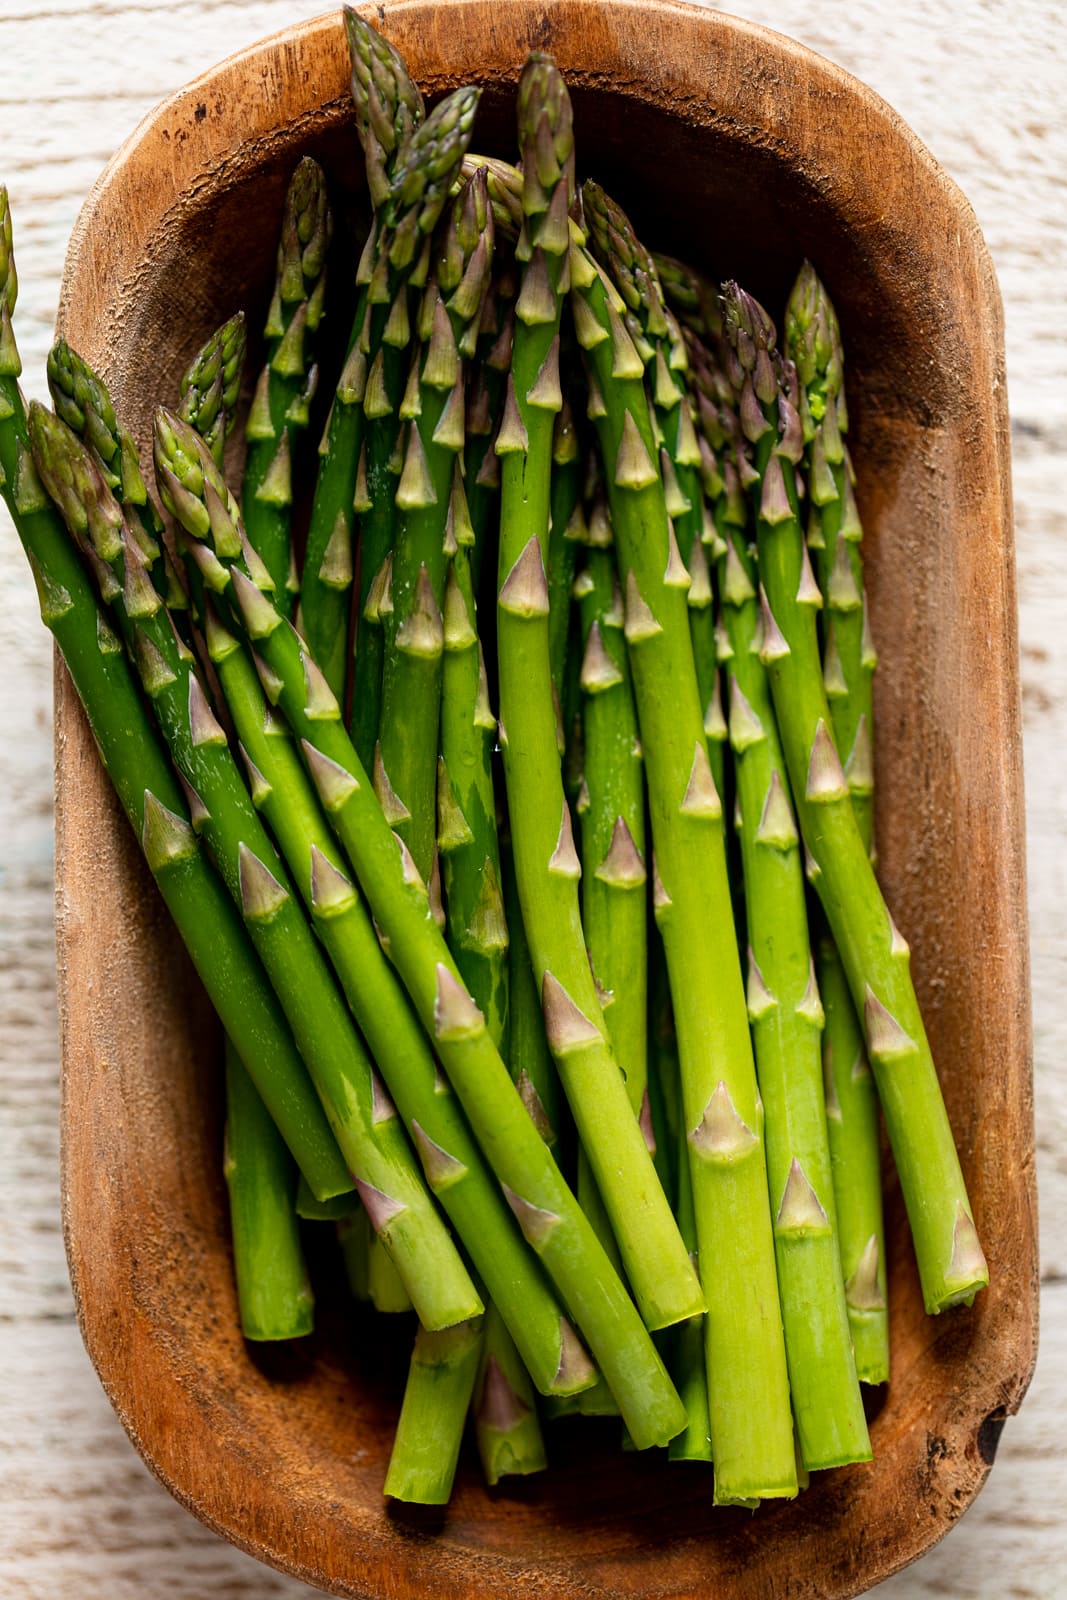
pixel 75 1506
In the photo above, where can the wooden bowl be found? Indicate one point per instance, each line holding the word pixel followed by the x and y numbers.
pixel 738 149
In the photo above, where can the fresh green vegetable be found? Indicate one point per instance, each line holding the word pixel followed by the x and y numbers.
pixel 952 1266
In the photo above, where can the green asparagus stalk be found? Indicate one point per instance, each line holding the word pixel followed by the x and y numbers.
pixel 691 296
pixel 787 1017
pixel 724 507
pixel 440 1383
pixel 505 1414
pixel 82 401
pixel 855 1154
pixel 210 389
pixel 751 1427
pixel 529 1058
pixel 505 191
pixel 385 1287
pixel 273 1295
pixel 374 1148
pixel 273 1291
pixel 279 411
pixel 813 342
pixel 388 105
pixel 452 1163
pixel 612 811
pixel 611 807
pixel 566 526
pixel 388 109
pixel 382 486
pixel 85 406
pixel 546 864
pixel 485 405
pixel 399 903
pixel 466 811
pixel 952 1266
pixel 332 1210
pixel 147 787
pixel 688 1366
pixel 211 384
pixel 432 521
pixel 354 1235
pixel 632 270
pixel 266 1238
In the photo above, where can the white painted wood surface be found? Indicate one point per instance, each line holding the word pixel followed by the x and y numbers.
pixel 981 83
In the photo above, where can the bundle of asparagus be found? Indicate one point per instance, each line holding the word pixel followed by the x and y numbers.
pixel 557 1087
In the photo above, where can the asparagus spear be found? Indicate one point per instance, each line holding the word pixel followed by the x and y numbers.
pixel 466 811
pixel 692 296
pixel 786 1015
pixel 279 411
pixel 688 1366
pixel 612 810
pixel 332 1210
pixel 952 1266
pixel 421 184
pixel 388 108
pixel 373 1145
pixel 546 864
pixel 274 1298
pixel 723 507
pixel 813 342
pixel 440 1383
pixel 399 904
pixel 505 1415
pixel 146 786
pixel 385 1287
pixel 273 1292
pixel 633 272
pixel 566 524
pixel 82 401
pixel 529 1058
pixel 354 1236
pixel 432 519
pixel 211 383
pixel 855 1153
pixel 453 1165
pixel 751 1427
pixel 485 404
pixel 388 105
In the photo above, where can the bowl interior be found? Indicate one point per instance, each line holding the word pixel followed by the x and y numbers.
pixel 741 152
